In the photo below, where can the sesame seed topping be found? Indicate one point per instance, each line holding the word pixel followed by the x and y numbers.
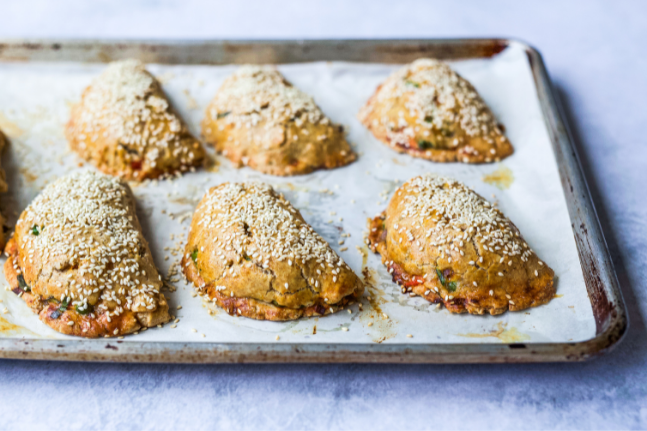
pixel 260 94
pixel 85 223
pixel 125 103
pixel 444 211
pixel 435 96
pixel 263 226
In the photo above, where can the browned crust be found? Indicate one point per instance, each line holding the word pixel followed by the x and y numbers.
pixel 84 325
pixel 477 301
pixel 463 153
pixel 277 142
pixel 259 310
pixel 440 155
pixel 111 158
pixel 279 153
pixel 3 188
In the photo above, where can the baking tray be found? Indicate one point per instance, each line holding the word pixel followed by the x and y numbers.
pixel 601 284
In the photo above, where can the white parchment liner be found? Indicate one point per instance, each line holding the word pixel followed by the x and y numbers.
pixel 34 105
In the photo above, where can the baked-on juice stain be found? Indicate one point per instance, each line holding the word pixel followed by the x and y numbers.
pixel 501 178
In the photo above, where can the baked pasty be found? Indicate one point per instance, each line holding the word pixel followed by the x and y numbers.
pixel 126 127
pixel 427 110
pixel 259 119
pixel 4 187
pixel 79 260
pixel 442 241
pixel 253 254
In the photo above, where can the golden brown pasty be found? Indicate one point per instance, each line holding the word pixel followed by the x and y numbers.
pixel 442 241
pixel 252 253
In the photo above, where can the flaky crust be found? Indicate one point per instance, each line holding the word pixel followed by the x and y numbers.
pixel 260 120
pixel 253 254
pixel 110 288
pixel 427 110
pixel 125 126
pixel 484 270
pixel 4 187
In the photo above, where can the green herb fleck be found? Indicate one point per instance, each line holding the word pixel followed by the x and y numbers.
pixel 64 304
pixel 247 257
pixel 222 114
pixel 429 118
pixel 194 256
pixel 85 310
pixel 425 145
pixel 415 84
pixel 22 284
pixel 60 310
pixel 446 132
pixel 441 277
pixel 451 286
pixel 34 230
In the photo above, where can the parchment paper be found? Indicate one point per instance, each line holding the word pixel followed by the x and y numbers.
pixel 34 105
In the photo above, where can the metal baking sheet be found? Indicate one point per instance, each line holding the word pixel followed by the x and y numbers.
pixel 38 82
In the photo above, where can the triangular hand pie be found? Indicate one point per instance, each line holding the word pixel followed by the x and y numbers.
pixel 251 252
pixel 79 259
pixel 260 120
pixel 442 241
pixel 427 110
pixel 125 126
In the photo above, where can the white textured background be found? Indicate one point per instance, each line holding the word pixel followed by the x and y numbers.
pixel 597 56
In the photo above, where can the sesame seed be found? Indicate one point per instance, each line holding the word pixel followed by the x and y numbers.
pixel 409 336
pixel 345 329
